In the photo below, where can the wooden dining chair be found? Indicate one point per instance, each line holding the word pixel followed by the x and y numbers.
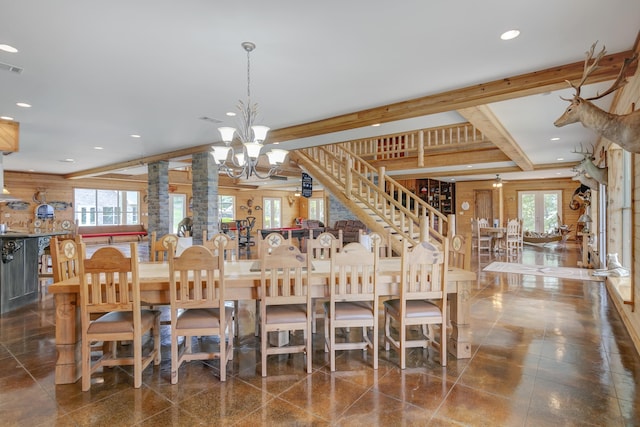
pixel 159 248
pixel 221 243
pixel 110 286
pixel 422 302
pixel 196 286
pixel 512 237
pixel 286 301
pixel 272 241
pixel 460 252
pixel 481 241
pixel 353 300
pixel 323 247
pixel 65 259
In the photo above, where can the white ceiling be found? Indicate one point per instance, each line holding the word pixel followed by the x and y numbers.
pixel 97 72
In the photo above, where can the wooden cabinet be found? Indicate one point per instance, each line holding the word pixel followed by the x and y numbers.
pixel 439 194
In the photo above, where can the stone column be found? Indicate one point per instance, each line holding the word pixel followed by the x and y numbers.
pixel 204 186
pixel 158 197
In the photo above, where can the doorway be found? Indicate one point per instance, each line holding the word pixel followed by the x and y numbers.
pixel 484 204
pixel 540 210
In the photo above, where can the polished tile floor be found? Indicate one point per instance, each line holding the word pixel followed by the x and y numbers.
pixel 546 352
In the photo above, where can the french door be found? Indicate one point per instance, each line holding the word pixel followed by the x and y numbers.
pixel 540 210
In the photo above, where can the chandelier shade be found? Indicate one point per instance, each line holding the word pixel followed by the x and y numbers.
pixel 244 157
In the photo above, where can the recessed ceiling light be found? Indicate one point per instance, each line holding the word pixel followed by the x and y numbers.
pixel 511 34
pixel 6 118
pixel 98 148
pixel 375 125
pixel 231 114
pixel 134 135
pixel 560 159
pixel 469 166
pixel 68 160
pixel 23 104
pixel 555 138
pixel 7 48
pixel 276 143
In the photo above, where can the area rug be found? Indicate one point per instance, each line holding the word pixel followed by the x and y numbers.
pixel 542 270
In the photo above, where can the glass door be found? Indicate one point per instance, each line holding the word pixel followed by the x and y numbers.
pixel 540 210
pixel 178 206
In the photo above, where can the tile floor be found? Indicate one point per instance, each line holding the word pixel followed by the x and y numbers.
pixel 546 352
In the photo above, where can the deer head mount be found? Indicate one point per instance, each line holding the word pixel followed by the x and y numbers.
pixel 588 168
pixel 621 129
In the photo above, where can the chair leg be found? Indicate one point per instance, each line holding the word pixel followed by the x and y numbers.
pixel 86 365
pixel 137 362
pixel 387 329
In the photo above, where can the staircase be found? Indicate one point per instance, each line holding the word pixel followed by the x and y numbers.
pixel 379 201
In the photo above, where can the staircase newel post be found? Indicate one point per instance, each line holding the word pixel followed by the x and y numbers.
pixel 348 176
pixel 381 172
pixel 451 220
pixel 424 228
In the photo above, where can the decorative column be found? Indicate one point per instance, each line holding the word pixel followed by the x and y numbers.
pixel 204 187
pixel 158 197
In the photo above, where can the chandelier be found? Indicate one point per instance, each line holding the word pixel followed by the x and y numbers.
pixel 243 160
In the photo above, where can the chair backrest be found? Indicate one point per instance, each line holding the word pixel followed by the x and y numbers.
pixel 460 252
pixel 221 242
pixel 109 282
pixel 353 274
pixel 322 247
pixel 513 228
pixel 65 259
pixel 385 248
pixel 483 222
pixel 424 269
pixel 159 250
pixel 272 241
pixel 196 279
pixel 285 276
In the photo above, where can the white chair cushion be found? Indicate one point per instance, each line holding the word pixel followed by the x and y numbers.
pixel 360 310
pixel 415 308
pixel 295 313
pixel 195 318
pixel 121 322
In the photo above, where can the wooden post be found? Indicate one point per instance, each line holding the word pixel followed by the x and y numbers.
pixel 421 149
pixel 381 172
pixel 348 177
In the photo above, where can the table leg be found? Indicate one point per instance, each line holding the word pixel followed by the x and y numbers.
pixel 460 340
pixel 68 364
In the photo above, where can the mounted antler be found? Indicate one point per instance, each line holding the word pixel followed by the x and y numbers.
pixel 621 129
pixel 588 69
pixel 585 154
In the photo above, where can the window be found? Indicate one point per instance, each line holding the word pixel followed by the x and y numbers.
pixel 272 212
pixel 178 202
pixel 316 208
pixel 540 210
pixel 226 208
pixel 106 207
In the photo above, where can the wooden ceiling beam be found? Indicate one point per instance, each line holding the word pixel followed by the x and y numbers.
pixel 483 119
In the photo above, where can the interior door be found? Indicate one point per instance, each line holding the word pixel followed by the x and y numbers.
pixel 484 204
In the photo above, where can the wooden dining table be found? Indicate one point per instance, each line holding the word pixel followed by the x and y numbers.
pixel 498 234
pixel 242 282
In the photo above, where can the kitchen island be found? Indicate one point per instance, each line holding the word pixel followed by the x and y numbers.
pixel 20 252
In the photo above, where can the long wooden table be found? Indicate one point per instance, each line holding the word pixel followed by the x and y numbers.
pixel 242 280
